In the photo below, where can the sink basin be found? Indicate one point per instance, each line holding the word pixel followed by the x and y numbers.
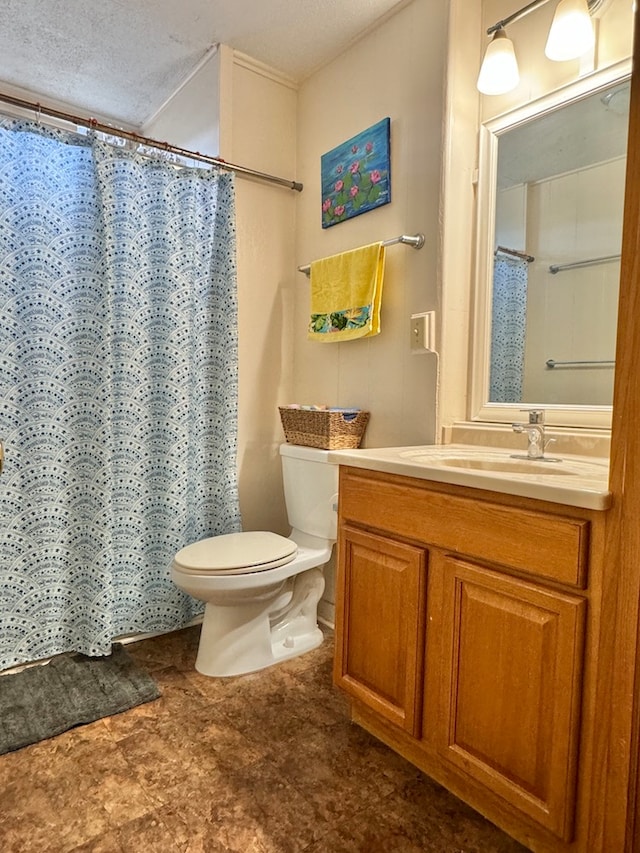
pixel 508 466
pixel 492 462
pixel 573 480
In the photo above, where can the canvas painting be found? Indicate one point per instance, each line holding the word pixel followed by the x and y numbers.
pixel 356 175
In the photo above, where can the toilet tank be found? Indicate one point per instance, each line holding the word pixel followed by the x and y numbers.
pixel 310 490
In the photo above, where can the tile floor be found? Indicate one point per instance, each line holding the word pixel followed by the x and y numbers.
pixel 265 763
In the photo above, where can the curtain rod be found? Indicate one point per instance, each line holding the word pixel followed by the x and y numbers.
pixel 94 124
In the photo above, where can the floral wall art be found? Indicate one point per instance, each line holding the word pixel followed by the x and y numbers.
pixel 356 175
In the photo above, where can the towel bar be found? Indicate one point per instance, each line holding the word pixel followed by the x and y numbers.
pixel 589 262
pixel 551 363
pixel 415 240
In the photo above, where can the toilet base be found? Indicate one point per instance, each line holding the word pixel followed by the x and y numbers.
pixel 249 636
pixel 299 645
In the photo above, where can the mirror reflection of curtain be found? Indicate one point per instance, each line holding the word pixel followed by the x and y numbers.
pixel 508 319
pixel 118 387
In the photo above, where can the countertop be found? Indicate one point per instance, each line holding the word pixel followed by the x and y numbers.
pixel 580 481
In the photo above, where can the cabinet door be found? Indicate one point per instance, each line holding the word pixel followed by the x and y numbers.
pixel 507 683
pixel 380 613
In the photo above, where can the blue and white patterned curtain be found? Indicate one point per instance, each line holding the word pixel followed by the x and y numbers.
pixel 508 327
pixel 118 387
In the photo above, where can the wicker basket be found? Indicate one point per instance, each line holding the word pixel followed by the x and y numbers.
pixel 324 429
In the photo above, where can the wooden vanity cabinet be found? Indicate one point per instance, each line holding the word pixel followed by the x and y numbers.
pixel 460 638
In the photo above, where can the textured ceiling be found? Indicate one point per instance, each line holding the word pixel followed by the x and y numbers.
pixel 122 59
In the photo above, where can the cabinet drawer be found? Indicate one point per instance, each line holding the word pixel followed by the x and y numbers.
pixel 539 543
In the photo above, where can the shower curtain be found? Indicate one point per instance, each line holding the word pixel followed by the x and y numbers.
pixel 508 327
pixel 118 386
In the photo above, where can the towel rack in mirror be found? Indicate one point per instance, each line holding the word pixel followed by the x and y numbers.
pixel 415 240
pixel 589 262
pixel 551 363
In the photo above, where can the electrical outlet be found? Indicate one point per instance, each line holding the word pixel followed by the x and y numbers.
pixel 417 333
pixel 422 332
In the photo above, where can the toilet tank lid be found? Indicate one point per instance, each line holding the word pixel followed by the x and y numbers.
pixel 298 451
pixel 235 551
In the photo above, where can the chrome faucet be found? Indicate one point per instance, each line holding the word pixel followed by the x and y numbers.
pixel 534 430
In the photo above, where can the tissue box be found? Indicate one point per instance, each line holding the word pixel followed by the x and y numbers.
pixel 324 429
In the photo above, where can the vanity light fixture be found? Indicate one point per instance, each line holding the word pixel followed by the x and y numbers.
pixel 571 32
pixel 499 72
pixel 570 36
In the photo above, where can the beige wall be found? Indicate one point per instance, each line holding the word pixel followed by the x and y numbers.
pixel 260 108
pixel 397 71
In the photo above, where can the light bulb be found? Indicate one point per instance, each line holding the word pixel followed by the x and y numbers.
pixel 499 71
pixel 571 32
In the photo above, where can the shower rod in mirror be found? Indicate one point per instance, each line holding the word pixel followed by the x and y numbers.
pixel 501 250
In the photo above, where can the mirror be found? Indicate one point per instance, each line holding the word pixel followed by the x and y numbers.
pixel 551 199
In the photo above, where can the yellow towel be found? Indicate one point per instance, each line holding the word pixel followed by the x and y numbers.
pixel 346 292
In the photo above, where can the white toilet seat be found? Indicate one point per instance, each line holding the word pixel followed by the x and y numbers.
pixel 236 554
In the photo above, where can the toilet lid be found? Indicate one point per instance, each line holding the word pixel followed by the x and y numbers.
pixel 236 553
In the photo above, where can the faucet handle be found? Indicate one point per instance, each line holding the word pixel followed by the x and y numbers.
pixel 536 416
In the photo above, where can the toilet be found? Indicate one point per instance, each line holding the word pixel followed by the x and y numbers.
pixel 261 589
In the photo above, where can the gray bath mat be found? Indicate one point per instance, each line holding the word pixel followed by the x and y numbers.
pixel 44 701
